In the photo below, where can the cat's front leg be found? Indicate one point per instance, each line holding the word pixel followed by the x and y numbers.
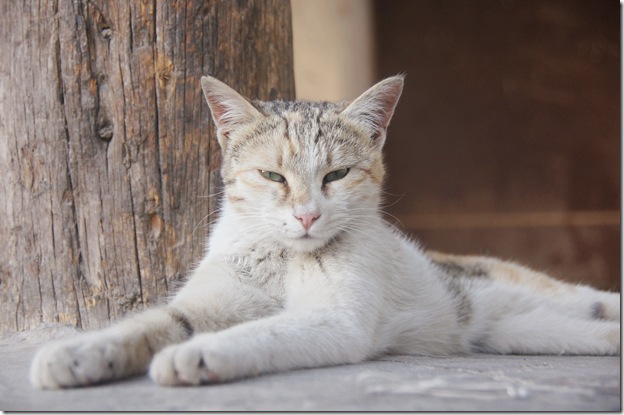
pixel 287 341
pixel 122 350
pixel 210 300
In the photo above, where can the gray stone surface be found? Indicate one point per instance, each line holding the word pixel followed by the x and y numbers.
pixel 394 383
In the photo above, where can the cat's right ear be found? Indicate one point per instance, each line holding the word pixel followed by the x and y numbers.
pixel 229 109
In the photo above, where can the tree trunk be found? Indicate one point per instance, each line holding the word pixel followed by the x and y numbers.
pixel 107 152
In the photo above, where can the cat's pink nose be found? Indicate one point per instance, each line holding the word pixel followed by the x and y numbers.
pixel 307 219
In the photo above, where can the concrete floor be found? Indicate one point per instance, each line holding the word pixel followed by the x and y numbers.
pixel 395 383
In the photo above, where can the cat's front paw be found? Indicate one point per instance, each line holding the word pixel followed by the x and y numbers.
pixel 84 360
pixel 190 363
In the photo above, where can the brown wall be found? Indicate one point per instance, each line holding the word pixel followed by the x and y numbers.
pixel 506 141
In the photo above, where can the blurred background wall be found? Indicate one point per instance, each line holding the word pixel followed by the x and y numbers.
pixel 506 141
pixel 333 48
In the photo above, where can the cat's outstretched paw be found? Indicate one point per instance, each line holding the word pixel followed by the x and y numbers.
pixel 84 360
pixel 190 363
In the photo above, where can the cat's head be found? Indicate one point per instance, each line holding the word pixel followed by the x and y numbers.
pixel 303 172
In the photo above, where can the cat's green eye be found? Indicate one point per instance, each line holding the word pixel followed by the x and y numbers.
pixel 271 175
pixel 335 175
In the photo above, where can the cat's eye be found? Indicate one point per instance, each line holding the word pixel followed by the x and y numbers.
pixel 335 175
pixel 271 175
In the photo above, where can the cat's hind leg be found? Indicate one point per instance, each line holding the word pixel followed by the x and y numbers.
pixel 571 299
pixel 544 331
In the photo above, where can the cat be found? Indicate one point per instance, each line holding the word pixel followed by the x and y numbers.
pixel 302 271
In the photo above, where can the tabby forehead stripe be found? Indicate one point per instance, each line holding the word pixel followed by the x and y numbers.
pixel 318 128
pixel 251 138
pixel 286 128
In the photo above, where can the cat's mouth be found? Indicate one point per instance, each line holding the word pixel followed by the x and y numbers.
pixel 307 238
pixel 307 242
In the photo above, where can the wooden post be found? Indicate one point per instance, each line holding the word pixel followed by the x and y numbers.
pixel 108 159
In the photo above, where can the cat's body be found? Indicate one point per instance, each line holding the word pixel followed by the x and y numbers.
pixel 302 271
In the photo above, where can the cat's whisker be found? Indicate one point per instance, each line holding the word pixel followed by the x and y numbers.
pixel 393 217
pixel 203 219
pixel 372 210
pixel 400 197
pixel 353 231
pixel 211 195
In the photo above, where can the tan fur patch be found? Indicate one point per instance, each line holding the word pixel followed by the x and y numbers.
pixel 376 173
pixel 507 272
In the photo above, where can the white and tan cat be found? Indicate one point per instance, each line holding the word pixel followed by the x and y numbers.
pixel 302 271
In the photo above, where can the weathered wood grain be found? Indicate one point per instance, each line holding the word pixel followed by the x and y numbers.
pixel 107 153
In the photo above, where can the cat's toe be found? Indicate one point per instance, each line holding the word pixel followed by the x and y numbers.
pixel 184 364
pixel 162 370
pixel 189 365
pixel 79 362
pixel 51 369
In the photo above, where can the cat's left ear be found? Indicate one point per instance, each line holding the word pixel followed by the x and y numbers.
pixel 229 109
pixel 374 108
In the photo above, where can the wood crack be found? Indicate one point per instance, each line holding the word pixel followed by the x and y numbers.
pixel 70 181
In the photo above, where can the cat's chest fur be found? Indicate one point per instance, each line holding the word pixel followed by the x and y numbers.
pixel 273 269
pixel 263 266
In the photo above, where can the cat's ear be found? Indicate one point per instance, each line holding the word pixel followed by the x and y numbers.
pixel 229 109
pixel 374 108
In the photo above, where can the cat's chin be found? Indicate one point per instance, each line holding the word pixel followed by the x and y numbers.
pixel 307 243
